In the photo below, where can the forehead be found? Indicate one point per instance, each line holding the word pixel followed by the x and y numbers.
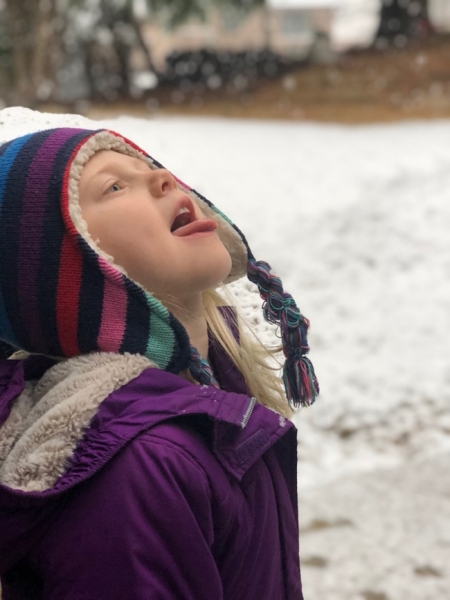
pixel 112 159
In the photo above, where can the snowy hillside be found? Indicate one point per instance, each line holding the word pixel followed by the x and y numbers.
pixel 356 221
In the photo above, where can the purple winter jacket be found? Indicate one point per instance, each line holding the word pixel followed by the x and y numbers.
pixel 174 492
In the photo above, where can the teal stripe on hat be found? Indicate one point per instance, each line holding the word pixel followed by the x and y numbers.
pixel 161 341
pixel 6 162
pixel 219 212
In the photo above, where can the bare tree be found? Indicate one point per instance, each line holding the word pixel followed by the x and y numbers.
pixel 40 30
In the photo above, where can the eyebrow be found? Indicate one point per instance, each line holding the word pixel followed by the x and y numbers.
pixel 117 165
pixel 110 169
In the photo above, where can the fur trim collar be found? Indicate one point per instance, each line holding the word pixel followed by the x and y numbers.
pixel 51 415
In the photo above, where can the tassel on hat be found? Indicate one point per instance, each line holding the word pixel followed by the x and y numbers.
pixel 280 309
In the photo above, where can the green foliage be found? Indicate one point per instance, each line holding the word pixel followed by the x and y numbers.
pixel 175 12
pixel 244 5
pixel 170 12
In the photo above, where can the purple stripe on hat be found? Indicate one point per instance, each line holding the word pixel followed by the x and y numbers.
pixel 35 202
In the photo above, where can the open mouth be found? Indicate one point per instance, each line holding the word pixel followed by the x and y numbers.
pixel 185 222
pixel 182 219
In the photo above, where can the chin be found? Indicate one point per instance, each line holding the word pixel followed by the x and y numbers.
pixel 223 266
pixel 212 272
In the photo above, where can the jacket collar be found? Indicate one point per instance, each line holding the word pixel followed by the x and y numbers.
pixel 141 398
pixel 242 430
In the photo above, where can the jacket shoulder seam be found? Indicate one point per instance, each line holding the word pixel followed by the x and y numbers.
pixel 150 437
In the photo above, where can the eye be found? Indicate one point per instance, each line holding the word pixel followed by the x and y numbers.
pixel 115 187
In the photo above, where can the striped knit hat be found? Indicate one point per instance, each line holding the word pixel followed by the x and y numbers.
pixel 60 295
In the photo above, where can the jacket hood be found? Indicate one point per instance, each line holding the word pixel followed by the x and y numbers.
pixel 58 430
pixel 62 296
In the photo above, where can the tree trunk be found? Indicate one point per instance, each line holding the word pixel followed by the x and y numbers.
pixel 143 45
pixel 89 61
pixel 31 34
pixel 17 21
pixel 43 46
pixel 407 18
pixel 113 20
pixel 123 57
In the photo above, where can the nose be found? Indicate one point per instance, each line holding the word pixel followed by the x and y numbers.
pixel 161 182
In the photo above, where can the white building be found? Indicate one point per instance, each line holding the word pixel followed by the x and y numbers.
pixel 286 26
pixel 440 14
pixel 289 27
pixel 296 25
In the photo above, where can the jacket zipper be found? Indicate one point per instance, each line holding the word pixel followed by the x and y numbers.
pixel 248 412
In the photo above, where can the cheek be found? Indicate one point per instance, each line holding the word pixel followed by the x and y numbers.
pixel 216 261
pixel 121 231
pixel 227 264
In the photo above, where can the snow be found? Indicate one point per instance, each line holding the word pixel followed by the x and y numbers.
pixel 355 220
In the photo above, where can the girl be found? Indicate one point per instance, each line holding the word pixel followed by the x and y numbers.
pixel 135 462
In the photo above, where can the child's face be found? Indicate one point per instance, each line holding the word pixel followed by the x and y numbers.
pixel 130 210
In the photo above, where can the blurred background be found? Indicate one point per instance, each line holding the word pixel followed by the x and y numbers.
pixel 321 127
pixel 328 60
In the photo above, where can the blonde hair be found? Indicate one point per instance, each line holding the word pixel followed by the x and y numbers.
pixel 251 357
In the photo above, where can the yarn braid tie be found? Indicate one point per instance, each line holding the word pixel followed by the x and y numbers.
pixel 200 369
pixel 279 308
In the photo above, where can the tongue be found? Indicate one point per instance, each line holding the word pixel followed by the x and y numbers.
pixel 200 226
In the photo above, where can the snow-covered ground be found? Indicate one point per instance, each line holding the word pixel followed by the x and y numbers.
pixel 356 221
